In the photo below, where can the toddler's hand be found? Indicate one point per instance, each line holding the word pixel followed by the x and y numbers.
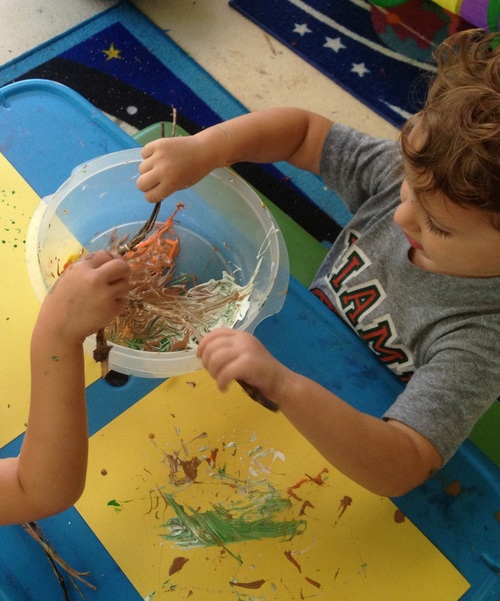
pixel 172 164
pixel 235 355
pixel 87 296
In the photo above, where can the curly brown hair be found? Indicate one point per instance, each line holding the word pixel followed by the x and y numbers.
pixel 460 155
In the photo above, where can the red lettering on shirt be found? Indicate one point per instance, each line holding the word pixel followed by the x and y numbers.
pixel 354 304
pixel 378 338
pixel 357 303
pixel 352 265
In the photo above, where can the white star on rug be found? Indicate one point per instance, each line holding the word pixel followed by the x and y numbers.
pixel 301 29
pixel 334 43
pixel 360 69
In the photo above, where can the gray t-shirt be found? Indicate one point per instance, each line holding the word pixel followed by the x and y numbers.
pixel 438 332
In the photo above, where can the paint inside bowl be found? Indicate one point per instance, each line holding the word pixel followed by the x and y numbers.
pixel 224 226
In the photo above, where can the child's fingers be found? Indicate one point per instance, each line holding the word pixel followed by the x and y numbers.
pixel 218 351
pixel 148 150
pixel 96 259
pixel 115 269
pixel 108 263
pixel 146 181
pixel 106 269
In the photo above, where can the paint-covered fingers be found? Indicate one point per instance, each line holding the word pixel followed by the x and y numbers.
pixel 97 258
pixel 114 270
pixel 88 296
pixel 107 287
pixel 92 260
pixel 108 268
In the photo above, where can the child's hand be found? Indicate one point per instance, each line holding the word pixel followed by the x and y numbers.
pixel 235 355
pixel 87 296
pixel 172 164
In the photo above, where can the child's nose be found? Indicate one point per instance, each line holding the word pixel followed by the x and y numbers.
pixel 406 216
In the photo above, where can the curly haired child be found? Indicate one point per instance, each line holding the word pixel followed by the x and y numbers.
pixel 415 273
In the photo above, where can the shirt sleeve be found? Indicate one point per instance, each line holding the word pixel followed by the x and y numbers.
pixel 448 394
pixel 358 166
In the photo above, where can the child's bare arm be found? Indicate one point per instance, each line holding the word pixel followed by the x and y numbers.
pixel 280 134
pixel 49 474
pixel 387 458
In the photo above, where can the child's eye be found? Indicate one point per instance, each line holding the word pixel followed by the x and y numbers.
pixel 434 229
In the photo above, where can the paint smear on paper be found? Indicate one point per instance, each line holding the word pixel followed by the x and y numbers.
pixel 254 518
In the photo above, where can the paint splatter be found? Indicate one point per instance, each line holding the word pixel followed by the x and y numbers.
pixel 399 516
pixel 291 558
pixel 177 565
pixel 254 585
pixel 248 509
pixel 315 479
pixel 212 458
pixel 117 505
pixel 303 508
pixel 183 471
pixel 454 489
pixel 253 518
pixel 313 582
pixel 345 502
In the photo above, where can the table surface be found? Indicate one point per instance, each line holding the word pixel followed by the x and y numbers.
pixel 452 522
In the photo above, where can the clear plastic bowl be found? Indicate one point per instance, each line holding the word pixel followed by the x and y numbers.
pixel 224 226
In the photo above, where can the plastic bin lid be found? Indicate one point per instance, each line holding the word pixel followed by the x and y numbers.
pixel 35 110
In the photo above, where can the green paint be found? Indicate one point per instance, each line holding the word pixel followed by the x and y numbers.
pixel 255 518
pixel 118 505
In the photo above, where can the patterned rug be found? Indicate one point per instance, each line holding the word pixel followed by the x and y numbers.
pixel 130 69
pixel 380 54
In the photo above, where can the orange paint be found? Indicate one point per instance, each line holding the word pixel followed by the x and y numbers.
pixel 454 489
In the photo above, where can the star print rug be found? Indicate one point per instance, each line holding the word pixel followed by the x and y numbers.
pixel 127 67
pixel 380 54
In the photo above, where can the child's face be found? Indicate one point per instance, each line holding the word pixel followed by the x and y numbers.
pixel 445 237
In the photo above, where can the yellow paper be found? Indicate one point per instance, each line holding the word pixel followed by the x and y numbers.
pixel 18 304
pixel 264 515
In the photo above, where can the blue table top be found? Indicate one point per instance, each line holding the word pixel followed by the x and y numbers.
pixel 45 131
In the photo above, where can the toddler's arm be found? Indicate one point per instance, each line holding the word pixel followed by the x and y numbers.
pixel 387 458
pixel 49 474
pixel 280 134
